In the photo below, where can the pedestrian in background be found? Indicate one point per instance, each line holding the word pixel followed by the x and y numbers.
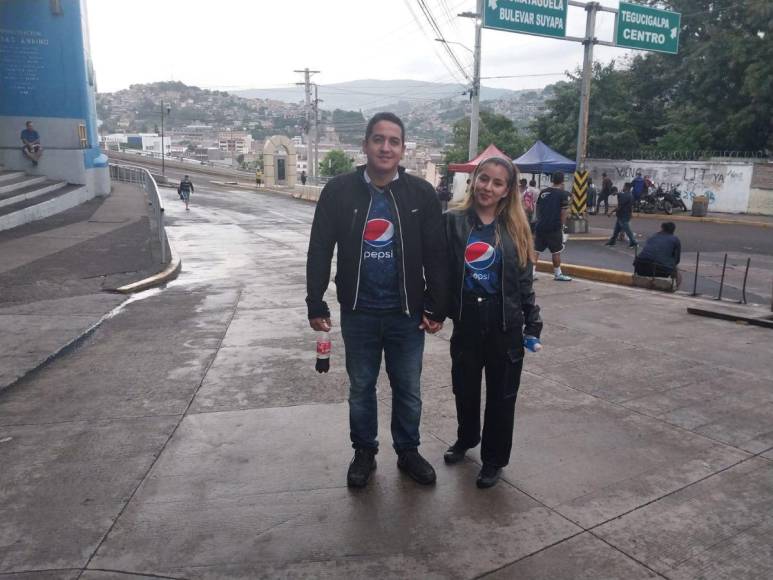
pixel 443 193
pixel 606 191
pixel 528 200
pixel 638 188
pixel 303 177
pixel 392 283
pixel 623 213
pixel 661 254
pixel 184 190
pixel 31 148
pixel 591 199
pixel 490 247
pixel 552 211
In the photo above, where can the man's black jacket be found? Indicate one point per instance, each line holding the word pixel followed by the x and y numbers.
pixel 519 309
pixel 420 248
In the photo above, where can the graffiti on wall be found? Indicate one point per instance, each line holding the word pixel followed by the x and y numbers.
pixel 726 185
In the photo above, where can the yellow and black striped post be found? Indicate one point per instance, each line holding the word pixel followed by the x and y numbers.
pixel 580 193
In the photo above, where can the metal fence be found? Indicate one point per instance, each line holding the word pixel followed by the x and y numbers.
pixel 143 178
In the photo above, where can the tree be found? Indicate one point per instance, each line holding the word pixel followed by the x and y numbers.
pixel 492 128
pixel 335 162
pixel 714 95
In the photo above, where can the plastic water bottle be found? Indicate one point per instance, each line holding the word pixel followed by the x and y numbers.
pixel 323 352
pixel 532 343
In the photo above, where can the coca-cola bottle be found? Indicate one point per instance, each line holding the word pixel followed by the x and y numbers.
pixel 323 352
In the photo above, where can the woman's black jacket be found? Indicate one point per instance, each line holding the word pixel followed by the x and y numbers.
pixel 518 304
pixel 420 246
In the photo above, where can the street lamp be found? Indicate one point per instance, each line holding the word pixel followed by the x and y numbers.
pixel 163 151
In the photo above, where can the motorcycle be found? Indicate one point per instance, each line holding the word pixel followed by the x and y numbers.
pixel 662 200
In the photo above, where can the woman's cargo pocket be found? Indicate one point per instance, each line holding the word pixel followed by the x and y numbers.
pixel 513 368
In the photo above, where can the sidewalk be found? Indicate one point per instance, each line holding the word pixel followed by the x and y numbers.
pixel 643 442
pixel 56 275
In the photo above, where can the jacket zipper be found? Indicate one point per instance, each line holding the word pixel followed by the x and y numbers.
pixel 402 249
pixel 359 264
pixel 502 281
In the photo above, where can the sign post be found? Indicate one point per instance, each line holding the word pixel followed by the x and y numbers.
pixel 646 28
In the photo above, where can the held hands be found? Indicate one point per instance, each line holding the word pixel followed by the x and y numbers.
pixel 429 326
pixel 320 324
pixel 532 343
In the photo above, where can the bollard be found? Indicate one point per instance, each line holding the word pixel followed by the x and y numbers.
pixel 695 281
pixel 722 280
pixel 745 277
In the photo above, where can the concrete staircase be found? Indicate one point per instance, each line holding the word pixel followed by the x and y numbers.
pixel 25 198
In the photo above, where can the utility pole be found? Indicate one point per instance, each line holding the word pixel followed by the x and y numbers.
pixel 316 130
pixel 472 150
pixel 587 70
pixel 309 117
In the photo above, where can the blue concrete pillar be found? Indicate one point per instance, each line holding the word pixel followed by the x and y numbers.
pixel 46 77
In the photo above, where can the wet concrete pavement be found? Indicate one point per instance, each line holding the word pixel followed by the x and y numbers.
pixel 189 437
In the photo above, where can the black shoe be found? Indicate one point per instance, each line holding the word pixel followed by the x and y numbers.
pixel 454 454
pixel 363 462
pixel 416 466
pixel 610 244
pixel 488 476
pixel 633 245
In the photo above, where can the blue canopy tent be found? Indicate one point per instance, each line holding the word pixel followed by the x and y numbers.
pixel 542 159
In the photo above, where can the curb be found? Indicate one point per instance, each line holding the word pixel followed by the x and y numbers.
pixel 65 349
pixel 169 273
pixel 710 220
pixel 589 273
pixel 588 239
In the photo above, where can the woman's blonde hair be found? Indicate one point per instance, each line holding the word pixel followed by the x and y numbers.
pixel 509 210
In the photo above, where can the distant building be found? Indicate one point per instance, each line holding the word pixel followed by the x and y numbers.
pixel 234 142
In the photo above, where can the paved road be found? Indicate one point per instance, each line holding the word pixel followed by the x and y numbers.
pixel 739 241
pixel 188 437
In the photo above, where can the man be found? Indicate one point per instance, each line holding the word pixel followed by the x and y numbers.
pixel 32 148
pixel 552 211
pixel 184 190
pixel 624 212
pixel 443 193
pixel 661 254
pixel 592 194
pixel 606 191
pixel 639 188
pixel 303 177
pixel 392 284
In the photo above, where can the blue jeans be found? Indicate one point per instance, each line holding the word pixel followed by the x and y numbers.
pixel 623 226
pixel 366 335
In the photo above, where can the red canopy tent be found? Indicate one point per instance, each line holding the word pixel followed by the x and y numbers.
pixel 469 167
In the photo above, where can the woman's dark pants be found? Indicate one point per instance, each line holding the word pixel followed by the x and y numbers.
pixel 477 344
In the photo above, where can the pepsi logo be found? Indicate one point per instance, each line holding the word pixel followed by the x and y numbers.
pixel 479 255
pixel 379 232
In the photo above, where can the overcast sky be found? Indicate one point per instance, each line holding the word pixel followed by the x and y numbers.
pixel 237 44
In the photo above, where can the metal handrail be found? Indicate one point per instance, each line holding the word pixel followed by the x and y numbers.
pixel 139 175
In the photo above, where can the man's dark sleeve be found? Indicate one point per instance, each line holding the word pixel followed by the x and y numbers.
pixel 531 318
pixel 435 255
pixel 191 187
pixel 319 256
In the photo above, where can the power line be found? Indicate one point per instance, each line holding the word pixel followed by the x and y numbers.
pixel 434 25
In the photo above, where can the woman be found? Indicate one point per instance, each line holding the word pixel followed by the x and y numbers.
pixel 489 248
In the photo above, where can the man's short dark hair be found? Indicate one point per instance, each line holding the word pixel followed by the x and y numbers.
pixel 604 174
pixel 378 117
pixel 532 183
pixel 668 227
pixel 522 181
pixel 27 124
pixel 557 177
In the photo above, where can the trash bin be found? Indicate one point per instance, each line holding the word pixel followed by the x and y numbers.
pixel 700 205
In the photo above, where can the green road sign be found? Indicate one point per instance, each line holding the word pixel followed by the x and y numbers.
pixel 541 17
pixel 647 28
